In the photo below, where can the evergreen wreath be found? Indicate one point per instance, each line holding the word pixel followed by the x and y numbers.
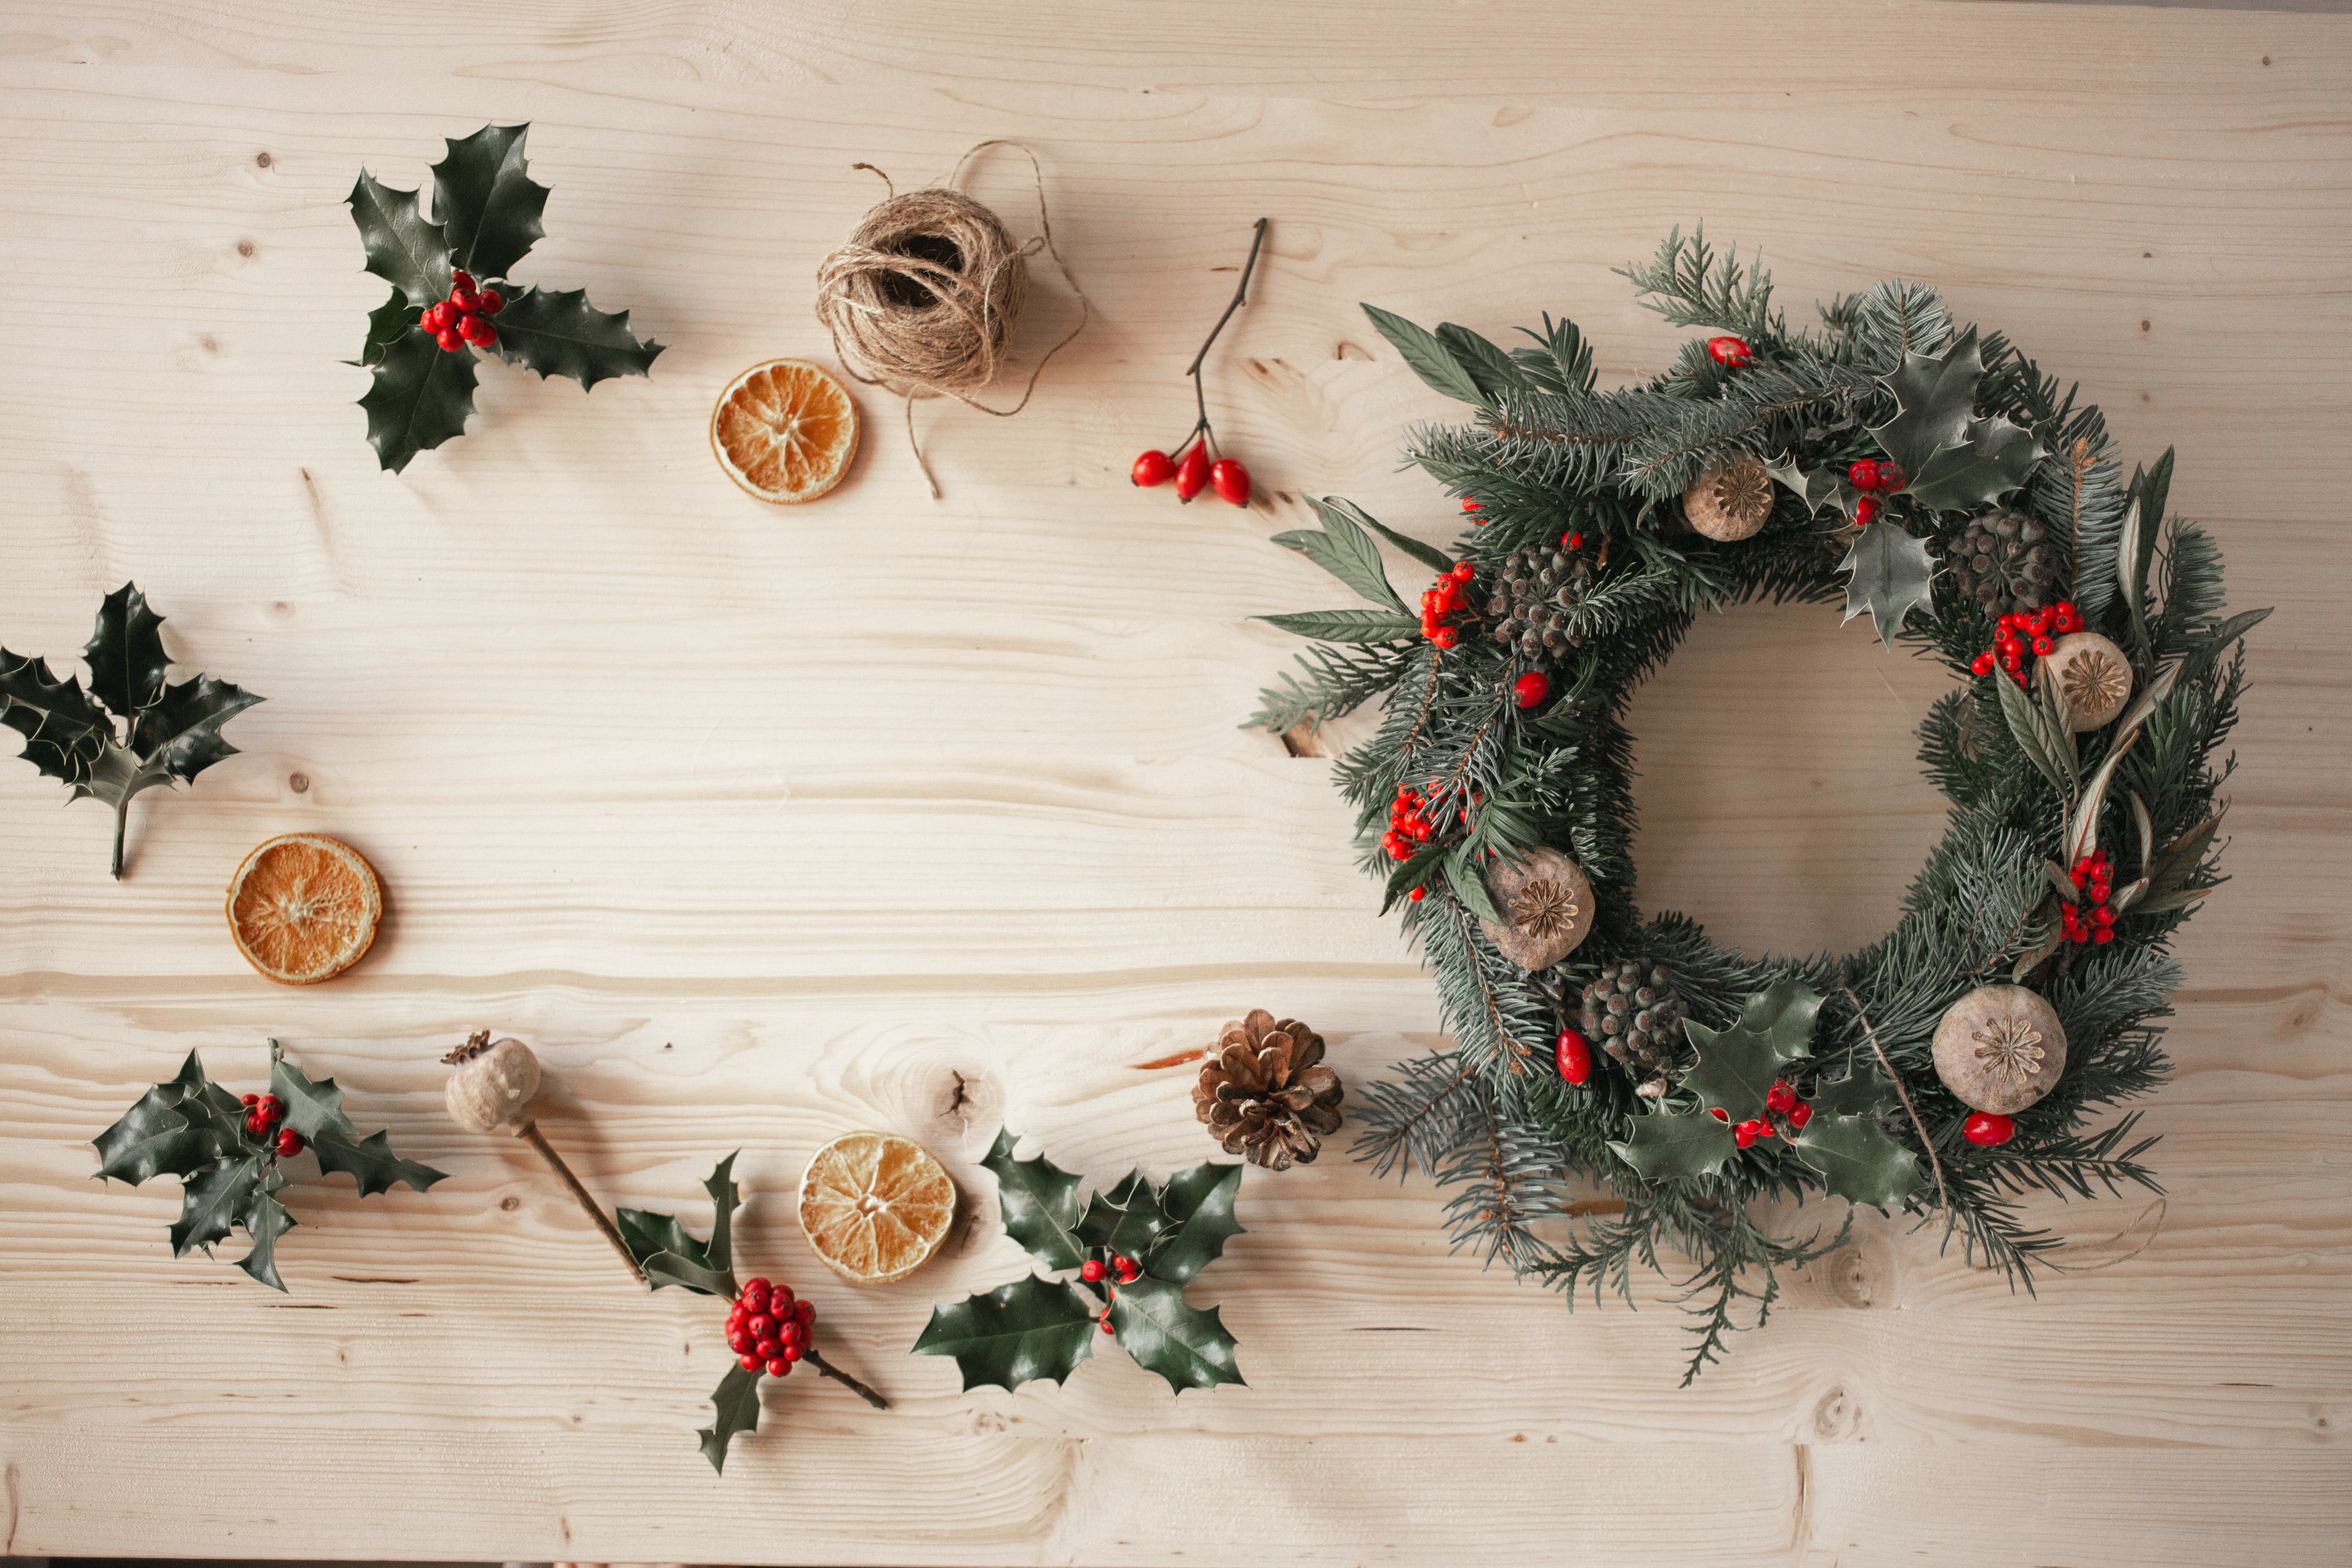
pixel 1932 478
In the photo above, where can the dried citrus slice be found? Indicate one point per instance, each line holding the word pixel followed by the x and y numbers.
pixel 785 430
pixel 304 907
pixel 875 1206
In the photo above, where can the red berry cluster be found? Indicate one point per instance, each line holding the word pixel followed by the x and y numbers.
pixel 2018 634
pixel 1450 596
pixel 464 317
pixel 1408 828
pixel 1780 1105
pixel 1093 1271
pixel 1730 352
pixel 1194 473
pixel 263 1113
pixel 768 1328
pixel 1867 474
pixel 2094 880
pixel 1986 1130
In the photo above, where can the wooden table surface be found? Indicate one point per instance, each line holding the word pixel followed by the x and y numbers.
pixel 763 824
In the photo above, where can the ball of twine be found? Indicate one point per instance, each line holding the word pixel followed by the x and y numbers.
pixel 923 299
pixel 924 293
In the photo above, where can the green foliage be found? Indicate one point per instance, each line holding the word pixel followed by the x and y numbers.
pixel 666 1251
pixel 1041 1328
pixel 490 207
pixel 193 1129
pixel 1886 373
pixel 131 730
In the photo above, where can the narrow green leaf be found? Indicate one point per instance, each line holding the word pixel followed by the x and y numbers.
pixel 1346 626
pixel 402 248
pixel 1469 884
pixel 1490 370
pixel 2209 647
pixel 2028 723
pixel 2144 829
pixel 736 1404
pixel 1431 360
pixel 1017 1333
pixel 490 206
pixel 2180 859
pixel 370 1161
pixel 419 397
pixel 1665 1145
pixel 1198 1207
pixel 1857 1161
pixel 2062 882
pixel 1040 1203
pixel 1344 549
pixel 1428 556
pixel 1427 864
pixel 1187 1347
pixel 2165 903
pixel 560 334
pixel 2142 526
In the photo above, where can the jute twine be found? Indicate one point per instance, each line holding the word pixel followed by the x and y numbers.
pixel 923 297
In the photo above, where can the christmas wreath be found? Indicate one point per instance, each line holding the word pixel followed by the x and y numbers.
pixel 1930 476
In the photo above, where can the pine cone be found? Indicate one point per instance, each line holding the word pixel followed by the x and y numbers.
pixel 2007 562
pixel 1633 1012
pixel 1265 1093
pixel 1534 591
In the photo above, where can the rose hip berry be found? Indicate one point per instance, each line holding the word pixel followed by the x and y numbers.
pixel 1987 1131
pixel 1575 1055
pixel 1230 480
pixel 1531 688
pixel 1192 469
pixel 1152 469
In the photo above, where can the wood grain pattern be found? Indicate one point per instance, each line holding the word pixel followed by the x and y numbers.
pixel 762 824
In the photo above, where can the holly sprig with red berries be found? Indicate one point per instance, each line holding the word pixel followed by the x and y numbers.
pixel 1133 1247
pixel 452 299
pixel 1189 462
pixel 229 1153
pixel 769 1330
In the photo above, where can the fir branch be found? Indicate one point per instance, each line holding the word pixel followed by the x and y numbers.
pixel 1684 284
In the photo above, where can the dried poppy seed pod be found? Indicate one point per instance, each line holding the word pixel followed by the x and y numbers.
pixel 2093 676
pixel 2000 1048
pixel 493 1085
pixel 1732 502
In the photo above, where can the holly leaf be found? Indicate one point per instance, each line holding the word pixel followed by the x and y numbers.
pixel 668 1252
pixel 1952 460
pixel 313 1108
pixel 1345 625
pixel 386 322
pixel 1126 1220
pixel 1861 1092
pixel 1017 1333
pixel 402 248
pixel 1346 552
pixel 1737 1066
pixel 370 1161
pixel 155 1138
pixel 490 204
pixel 1892 575
pixel 736 1404
pixel 560 334
pixel 419 397
pixel 66 733
pixel 1040 1204
pixel 265 1220
pixel 1823 485
pixel 213 1200
pixel 1857 1161
pixel 1665 1145
pixel 1199 1206
pixel 1427 354
pixel 1187 1347
pixel 125 654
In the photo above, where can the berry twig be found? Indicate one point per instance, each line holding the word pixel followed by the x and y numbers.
pixel 1191 468
pixel 530 1133
pixel 846 1381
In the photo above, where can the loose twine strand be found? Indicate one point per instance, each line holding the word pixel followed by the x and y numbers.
pixel 923 297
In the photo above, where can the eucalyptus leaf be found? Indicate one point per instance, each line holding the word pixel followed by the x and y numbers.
pixel 1491 370
pixel 2029 725
pixel 1345 550
pixel 1428 556
pixel 1346 626
pixel 1430 358
pixel 1469 884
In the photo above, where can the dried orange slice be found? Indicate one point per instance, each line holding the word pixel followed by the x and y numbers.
pixel 304 907
pixel 875 1206
pixel 785 430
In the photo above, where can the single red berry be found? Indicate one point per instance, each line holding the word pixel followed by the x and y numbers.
pixel 1891 477
pixel 806 1311
pixel 763 1327
pixel 449 340
pixel 1985 1130
pixel 1192 471
pixel 460 279
pixel 1418 894
pixel 1862 474
pixel 1469 505
pixel 751 1361
pixel 1231 480
pixel 1798 1115
pixel 289 1142
pixel 1121 1262
pixel 489 301
pixel 1779 1097
pixel 1744 1134
pixel 1574 541
pixel 2043 646
pixel 477 331
pixel 2009 648
pixel 1575 1055
pixel 1720 1114
pixel 1091 1270
pixel 793 1350
pixel 1865 511
pixel 740 1343
pixel 1730 352
pixel 1763 1128
pixel 777 1366
pixel 251 1100
pixel 1152 468
pixel 463 297
pixel 1531 688
pixel 768 1347
pixel 2102 935
pixel 1446 637
pixel 1982 664
pixel 2104 915
pixel 756 1288
pixel 1464 571
pixel 1106 1324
